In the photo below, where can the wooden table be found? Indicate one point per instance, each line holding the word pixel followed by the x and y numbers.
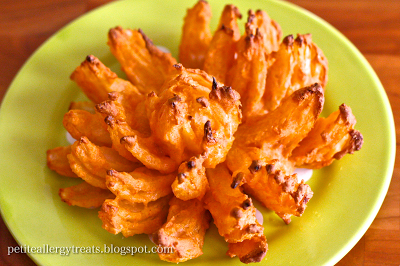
pixel 373 26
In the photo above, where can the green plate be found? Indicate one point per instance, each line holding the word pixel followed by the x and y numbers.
pixel 347 194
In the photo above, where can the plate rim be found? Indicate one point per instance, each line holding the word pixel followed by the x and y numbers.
pixel 387 107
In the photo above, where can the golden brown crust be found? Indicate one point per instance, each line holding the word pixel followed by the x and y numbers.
pixel 81 123
pixel 233 211
pixel 131 218
pixel 191 181
pixel 331 138
pixel 91 162
pixel 180 126
pixel 96 80
pixel 184 230
pixel 196 35
pixel 57 161
pixel 269 141
pixel 84 195
pixel 248 73
pixel 141 185
pixel 298 63
pixel 279 192
pixel 144 64
pixel 222 48
pixel 249 250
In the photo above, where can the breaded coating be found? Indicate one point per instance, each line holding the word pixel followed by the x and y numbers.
pixel 85 195
pixel 141 185
pixel 184 230
pixel 191 116
pixel 178 144
pixel 81 123
pixel 220 55
pixel 96 80
pixel 271 140
pixel 57 160
pixel 331 138
pixel 269 29
pixel 144 64
pixel 249 72
pixel 279 192
pixel 298 63
pixel 196 35
pixel 191 181
pixel 91 162
pixel 233 211
pixel 131 218
pixel 249 250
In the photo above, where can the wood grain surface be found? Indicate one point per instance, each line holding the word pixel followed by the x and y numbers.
pixel 373 26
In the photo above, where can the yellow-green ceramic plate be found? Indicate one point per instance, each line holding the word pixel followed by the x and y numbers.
pixel 347 194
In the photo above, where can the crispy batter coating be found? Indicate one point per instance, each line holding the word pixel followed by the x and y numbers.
pixel 131 218
pixel 298 63
pixel 192 115
pixel 249 72
pixel 221 51
pixel 81 123
pixel 145 65
pixel 331 138
pixel 124 108
pixel 57 161
pixel 85 195
pixel 96 80
pixel 279 192
pixel 91 162
pixel 196 35
pixel 233 211
pixel 166 150
pixel 269 29
pixel 249 250
pixel 191 181
pixel 142 185
pixel 184 230
pixel 271 140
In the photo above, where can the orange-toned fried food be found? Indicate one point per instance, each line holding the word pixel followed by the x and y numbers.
pixel 85 195
pixel 177 144
pixel 80 123
pixel 269 29
pixel 191 181
pixel 192 115
pixel 131 218
pixel 145 65
pixel 96 80
pixel 249 71
pixel 220 55
pixel 141 185
pixel 278 191
pixel 184 230
pixel 196 35
pixel 331 138
pixel 233 211
pixel 298 63
pixel 57 161
pixel 91 162
pixel 271 140
pixel 249 250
